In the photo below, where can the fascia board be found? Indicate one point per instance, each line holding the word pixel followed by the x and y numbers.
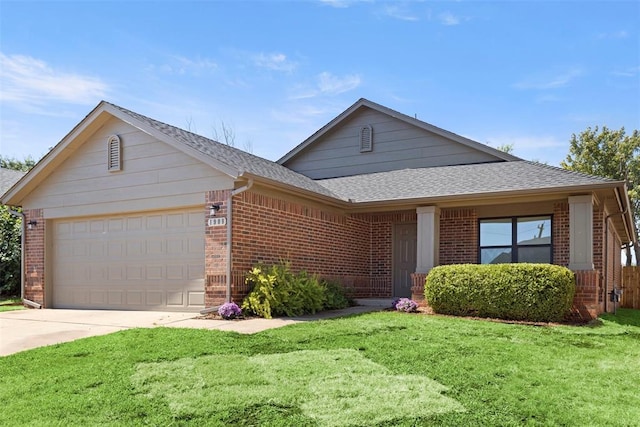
pixel 60 152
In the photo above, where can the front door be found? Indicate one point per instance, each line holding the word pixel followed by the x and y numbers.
pixel 404 258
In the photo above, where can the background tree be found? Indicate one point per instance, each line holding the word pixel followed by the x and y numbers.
pixel 611 154
pixel 10 235
pixel 17 165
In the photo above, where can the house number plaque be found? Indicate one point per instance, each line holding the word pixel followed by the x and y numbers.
pixel 217 222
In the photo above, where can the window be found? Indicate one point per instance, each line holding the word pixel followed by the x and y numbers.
pixel 114 161
pixel 515 239
pixel 366 139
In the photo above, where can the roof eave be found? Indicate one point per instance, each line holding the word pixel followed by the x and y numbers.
pixel 494 195
pixel 334 201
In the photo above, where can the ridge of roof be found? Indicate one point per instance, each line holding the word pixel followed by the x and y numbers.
pixel 363 102
pixel 235 158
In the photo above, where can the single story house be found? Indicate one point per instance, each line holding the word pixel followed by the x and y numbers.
pixel 130 213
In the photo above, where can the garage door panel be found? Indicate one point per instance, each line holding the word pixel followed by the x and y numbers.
pixel 153 261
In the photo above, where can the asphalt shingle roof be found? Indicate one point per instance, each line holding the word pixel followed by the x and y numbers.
pixel 456 181
pixel 231 156
pixel 406 184
pixel 8 177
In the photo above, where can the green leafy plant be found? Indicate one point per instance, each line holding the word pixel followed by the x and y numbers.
pixel 278 291
pixel 10 235
pixel 534 292
pixel 335 295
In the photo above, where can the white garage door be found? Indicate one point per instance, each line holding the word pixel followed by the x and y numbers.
pixel 150 261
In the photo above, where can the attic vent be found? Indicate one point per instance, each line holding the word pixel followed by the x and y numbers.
pixel 366 139
pixel 114 162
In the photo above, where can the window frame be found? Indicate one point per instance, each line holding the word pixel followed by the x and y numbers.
pixel 514 247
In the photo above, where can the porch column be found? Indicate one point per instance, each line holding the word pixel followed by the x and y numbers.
pixel 428 250
pixel 581 233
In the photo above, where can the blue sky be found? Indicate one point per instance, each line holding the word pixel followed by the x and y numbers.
pixel 523 73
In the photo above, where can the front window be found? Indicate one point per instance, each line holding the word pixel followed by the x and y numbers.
pixel 515 239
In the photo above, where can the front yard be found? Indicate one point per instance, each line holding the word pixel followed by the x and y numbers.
pixel 383 369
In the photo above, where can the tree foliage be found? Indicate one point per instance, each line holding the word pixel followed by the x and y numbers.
pixel 10 235
pixel 610 154
pixel 18 165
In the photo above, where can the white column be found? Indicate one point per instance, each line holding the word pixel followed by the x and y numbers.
pixel 581 233
pixel 428 250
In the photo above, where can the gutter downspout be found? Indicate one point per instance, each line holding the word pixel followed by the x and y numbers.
pixel 229 222
pixel 606 248
pixel 22 264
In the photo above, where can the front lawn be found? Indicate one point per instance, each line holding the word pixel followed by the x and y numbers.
pixel 383 369
pixel 11 304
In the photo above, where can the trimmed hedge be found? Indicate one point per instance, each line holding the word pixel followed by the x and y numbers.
pixel 533 292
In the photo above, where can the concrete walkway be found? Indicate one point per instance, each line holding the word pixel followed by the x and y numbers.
pixel 26 329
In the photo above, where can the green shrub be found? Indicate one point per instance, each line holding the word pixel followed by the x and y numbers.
pixel 335 296
pixel 534 292
pixel 10 241
pixel 277 291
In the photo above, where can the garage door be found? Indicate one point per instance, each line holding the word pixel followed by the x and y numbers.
pixel 151 261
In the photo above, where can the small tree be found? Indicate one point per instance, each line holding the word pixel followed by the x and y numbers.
pixel 609 154
pixel 11 235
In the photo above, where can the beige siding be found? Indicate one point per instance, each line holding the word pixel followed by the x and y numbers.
pixel 154 175
pixel 396 145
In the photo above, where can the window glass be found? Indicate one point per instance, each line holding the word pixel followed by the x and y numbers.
pixel 537 254
pixel 532 242
pixel 534 230
pixel 495 232
pixel 495 255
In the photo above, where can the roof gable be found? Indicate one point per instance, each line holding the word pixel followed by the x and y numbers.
pixel 398 141
pixel 226 159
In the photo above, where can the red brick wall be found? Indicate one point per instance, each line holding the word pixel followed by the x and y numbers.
pixel 216 251
pixel 34 257
pixel 458 236
pixel 268 229
pixel 560 225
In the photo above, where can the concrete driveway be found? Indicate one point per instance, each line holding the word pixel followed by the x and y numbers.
pixel 26 329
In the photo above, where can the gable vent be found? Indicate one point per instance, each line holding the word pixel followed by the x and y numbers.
pixel 114 162
pixel 366 139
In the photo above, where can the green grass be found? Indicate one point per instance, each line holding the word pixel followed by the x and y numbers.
pixel 379 369
pixel 11 304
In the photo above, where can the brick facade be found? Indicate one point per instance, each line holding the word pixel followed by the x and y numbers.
pixel 458 236
pixel 35 257
pixel 268 229
pixel 215 264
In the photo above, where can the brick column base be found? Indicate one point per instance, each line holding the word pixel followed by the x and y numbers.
pixel 585 302
pixel 417 288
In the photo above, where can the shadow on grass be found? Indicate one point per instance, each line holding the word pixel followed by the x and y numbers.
pixel 623 316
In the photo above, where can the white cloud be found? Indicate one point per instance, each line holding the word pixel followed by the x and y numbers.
pixel 326 84
pixel 548 81
pixel 448 18
pixel 274 61
pixel 30 82
pixel 621 34
pixel 542 148
pixel 330 84
pixel 398 11
pixel 627 72
pixel 181 65
pixel 340 4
